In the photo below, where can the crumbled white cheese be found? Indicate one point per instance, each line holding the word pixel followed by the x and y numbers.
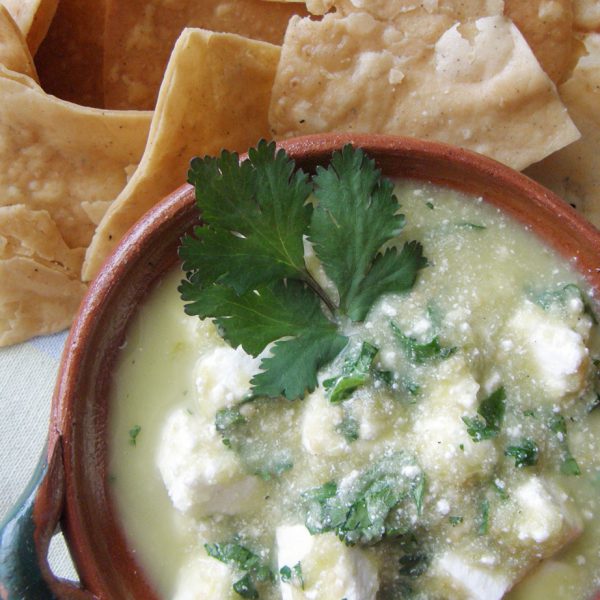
pixel 204 577
pixel 201 475
pixel 319 421
pixel 477 582
pixel 555 353
pixel 223 378
pixel 331 570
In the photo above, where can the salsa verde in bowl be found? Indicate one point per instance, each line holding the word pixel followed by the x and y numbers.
pixel 444 449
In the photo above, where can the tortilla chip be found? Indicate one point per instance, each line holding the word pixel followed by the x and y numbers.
pixel 574 172
pixel 33 18
pixel 40 289
pixel 54 155
pixel 479 86
pixel 547 25
pixel 140 35
pixel 587 15
pixel 14 53
pixel 215 95
pixel 70 58
pixel 35 299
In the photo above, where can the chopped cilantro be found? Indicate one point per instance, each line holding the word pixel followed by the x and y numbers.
pixel 466 225
pixel 525 453
pixel 414 565
pixel 244 560
pixel 349 428
pixel 455 520
pixel 484 517
pixel 293 575
pixel 561 298
pixel 372 508
pixel 418 493
pixel 354 374
pixel 492 410
pixel 429 205
pixel 419 353
pixel 133 435
pixel 568 465
pixel 274 469
pixel 245 265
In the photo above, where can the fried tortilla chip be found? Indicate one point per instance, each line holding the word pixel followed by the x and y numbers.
pixel 41 289
pixel 215 95
pixel 479 86
pixel 574 172
pixel 54 155
pixel 587 15
pixel 70 59
pixel 33 18
pixel 14 53
pixel 140 35
pixel 547 25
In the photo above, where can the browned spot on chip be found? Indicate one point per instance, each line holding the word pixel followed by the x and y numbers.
pixel 14 53
pixel 140 35
pixel 215 95
pixel 33 18
pixel 70 58
pixel 547 25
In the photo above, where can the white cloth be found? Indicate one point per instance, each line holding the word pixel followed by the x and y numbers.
pixel 27 376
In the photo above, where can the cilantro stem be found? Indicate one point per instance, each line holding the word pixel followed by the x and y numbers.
pixel 317 289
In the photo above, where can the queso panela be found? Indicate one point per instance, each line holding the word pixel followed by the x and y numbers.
pixel 447 449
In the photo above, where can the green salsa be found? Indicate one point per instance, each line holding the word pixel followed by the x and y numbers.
pixel 450 451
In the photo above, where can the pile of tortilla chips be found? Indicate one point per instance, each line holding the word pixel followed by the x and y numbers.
pixel 104 102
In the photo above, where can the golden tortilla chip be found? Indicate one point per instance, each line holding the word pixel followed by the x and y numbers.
pixel 33 18
pixel 40 289
pixel 14 53
pixel 547 25
pixel 140 34
pixel 54 155
pixel 479 86
pixel 70 59
pixel 587 15
pixel 574 172
pixel 215 95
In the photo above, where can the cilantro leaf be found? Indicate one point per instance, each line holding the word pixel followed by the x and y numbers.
pixel 348 428
pixel 419 353
pixel 255 215
pixel 492 410
pixel 569 465
pixel 356 214
pixel 291 370
pixel 258 317
pixel 245 266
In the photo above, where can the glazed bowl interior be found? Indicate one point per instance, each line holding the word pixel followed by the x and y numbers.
pixel 81 403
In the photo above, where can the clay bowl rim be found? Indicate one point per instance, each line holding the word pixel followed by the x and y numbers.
pixel 97 543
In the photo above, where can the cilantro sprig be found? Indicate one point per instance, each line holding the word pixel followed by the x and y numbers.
pixel 245 265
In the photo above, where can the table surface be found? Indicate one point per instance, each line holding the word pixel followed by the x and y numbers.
pixel 27 376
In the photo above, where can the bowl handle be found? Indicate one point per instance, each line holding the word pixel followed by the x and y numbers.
pixel 26 533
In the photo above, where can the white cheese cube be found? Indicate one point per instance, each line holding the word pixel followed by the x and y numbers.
pixel 540 514
pixel 204 577
pixel 330 569
pixel 201 475
pixel 223 378
pixel 469 580
pixel 555 353
pixel 319 421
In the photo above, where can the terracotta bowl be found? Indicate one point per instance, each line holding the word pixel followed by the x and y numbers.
pixel 73 483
